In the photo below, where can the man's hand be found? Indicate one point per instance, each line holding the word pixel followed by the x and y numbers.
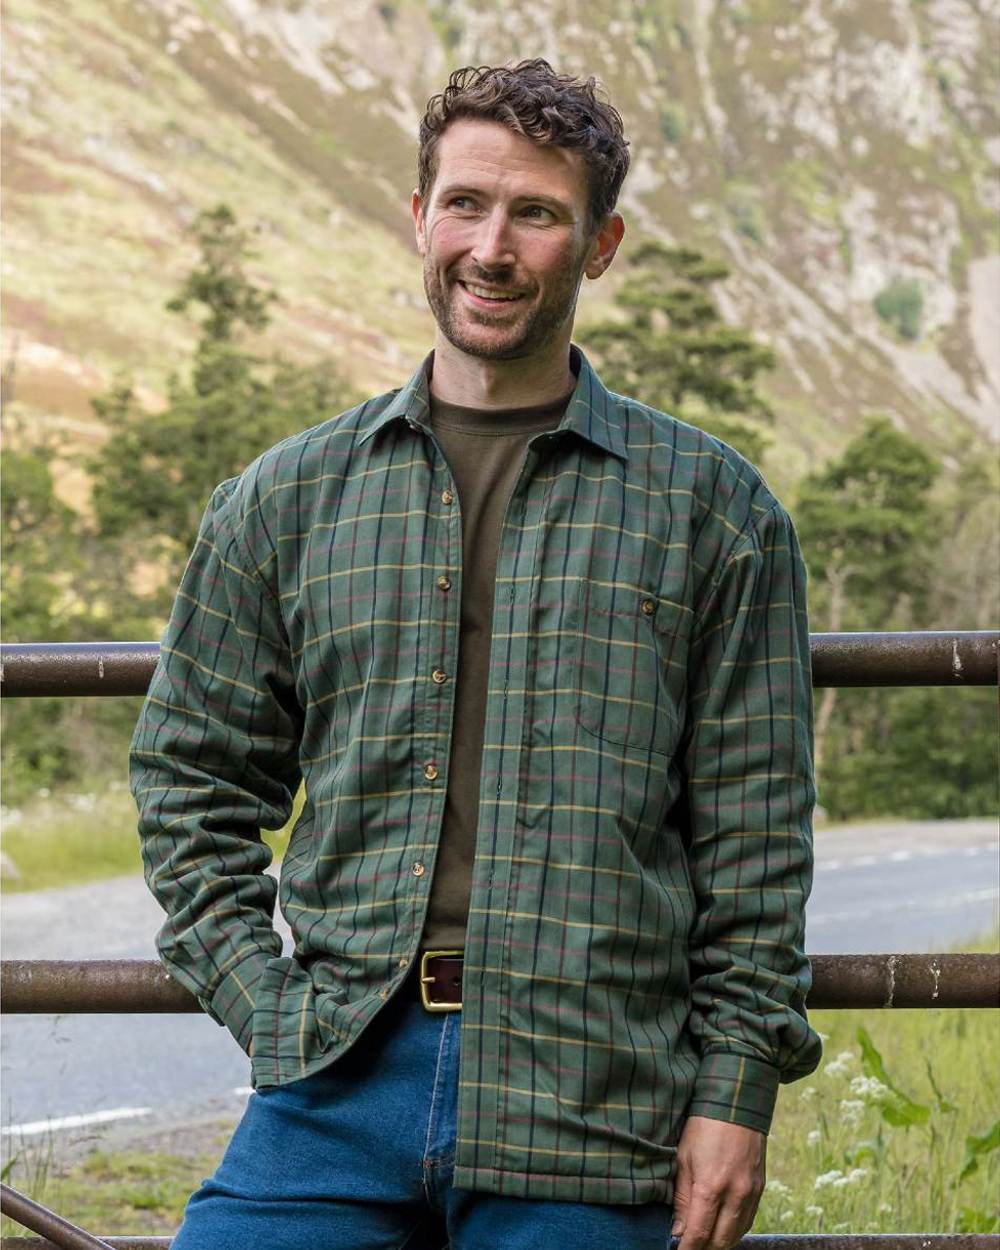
pixel 718 1183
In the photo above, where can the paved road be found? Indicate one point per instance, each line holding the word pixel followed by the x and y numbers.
pixel 913 886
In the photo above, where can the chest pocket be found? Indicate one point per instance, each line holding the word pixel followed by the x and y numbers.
pixel 631 666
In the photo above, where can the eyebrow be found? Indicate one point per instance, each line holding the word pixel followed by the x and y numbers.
pixel 547 201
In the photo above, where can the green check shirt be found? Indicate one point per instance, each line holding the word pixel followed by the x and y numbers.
pixel 635 945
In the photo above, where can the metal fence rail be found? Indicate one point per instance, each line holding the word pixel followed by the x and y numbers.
pixel 874 982
pixel 941 658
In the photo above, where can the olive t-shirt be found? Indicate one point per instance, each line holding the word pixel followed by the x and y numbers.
pixel 484 449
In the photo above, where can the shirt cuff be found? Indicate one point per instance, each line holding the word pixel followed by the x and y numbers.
pixel 233 1002
pixel 736 1088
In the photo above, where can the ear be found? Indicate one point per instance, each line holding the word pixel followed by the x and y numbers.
pixel 417 209
pixel 605 244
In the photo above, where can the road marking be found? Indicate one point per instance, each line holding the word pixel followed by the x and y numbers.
pixel 923 852
pixel 906 904
pixel 74 1121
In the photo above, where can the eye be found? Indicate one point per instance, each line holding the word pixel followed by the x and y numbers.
pixel 461 202
pixel 537 212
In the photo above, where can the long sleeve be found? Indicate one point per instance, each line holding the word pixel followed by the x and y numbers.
pixel 751 793
pixel 214 759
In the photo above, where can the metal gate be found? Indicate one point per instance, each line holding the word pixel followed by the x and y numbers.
pixel 839 981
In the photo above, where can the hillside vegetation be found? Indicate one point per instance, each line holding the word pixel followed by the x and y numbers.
pixel 837 157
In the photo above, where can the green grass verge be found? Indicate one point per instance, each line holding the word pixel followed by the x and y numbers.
pixel 896 1131
pixel 112 1194
pixel 69 839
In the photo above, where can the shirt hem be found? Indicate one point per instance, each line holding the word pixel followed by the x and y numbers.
pixel 617 1191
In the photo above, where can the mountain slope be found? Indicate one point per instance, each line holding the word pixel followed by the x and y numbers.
pixel 830 151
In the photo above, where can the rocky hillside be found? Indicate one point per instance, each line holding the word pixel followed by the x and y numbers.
pixel 839 155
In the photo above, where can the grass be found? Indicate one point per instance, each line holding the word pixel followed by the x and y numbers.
pixel 69 839
pixel 112 1193
pixel 896 1131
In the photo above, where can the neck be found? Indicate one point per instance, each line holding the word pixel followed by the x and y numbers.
pixel 471 382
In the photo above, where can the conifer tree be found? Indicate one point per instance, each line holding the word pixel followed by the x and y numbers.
pixel 669 348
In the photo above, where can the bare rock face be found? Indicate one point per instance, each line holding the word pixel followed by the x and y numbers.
pixel 839 155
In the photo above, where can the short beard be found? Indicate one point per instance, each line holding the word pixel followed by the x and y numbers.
pixel 540 329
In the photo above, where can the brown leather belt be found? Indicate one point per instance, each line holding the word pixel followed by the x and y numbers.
pixel 440 980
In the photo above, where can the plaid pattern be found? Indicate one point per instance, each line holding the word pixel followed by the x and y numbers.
pixel 635 946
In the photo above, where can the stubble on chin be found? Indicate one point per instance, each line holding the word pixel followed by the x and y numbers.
pixel 520 339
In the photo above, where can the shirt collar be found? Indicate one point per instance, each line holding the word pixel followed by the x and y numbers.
pixel 593 412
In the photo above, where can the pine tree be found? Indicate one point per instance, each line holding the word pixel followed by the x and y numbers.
pixel 153 477
pixel 669 348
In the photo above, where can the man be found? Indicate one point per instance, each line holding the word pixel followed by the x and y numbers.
pixel 540 656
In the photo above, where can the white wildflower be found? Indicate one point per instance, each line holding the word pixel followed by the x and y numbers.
pixel 823 1037
pixel 851 1110
pixel 871 1089
pixel 828 1178
pixel 857 1174
pixel 777 1187
pixel 813 1137
pixel 840 1066
pixel 808 1094
pixel 814 1210
pixel 885 1208
pixel 785 1216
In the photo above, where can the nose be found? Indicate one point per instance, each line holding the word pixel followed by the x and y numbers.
pixel 492 246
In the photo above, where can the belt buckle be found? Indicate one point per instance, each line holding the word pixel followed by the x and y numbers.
pixel 426 980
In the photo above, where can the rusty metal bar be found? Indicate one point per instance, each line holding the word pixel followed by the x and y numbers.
pixel 758 1241
pixel 117 1243
pixel 39 1219
pixel 929 658
pixel 925 658
pixel 95 985
pixel 54 986
pixel 908 980
pixel 35 669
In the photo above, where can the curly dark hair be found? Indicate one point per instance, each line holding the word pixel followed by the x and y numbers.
pixel 531 99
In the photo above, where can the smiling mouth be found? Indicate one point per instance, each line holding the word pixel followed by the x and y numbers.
pixel 488 295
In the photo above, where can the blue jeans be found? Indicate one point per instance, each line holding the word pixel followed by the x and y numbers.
pixel 360 1157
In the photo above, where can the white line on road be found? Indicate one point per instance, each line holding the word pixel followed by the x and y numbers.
pixel 925 852
pixel 74 1121
pixel 905 904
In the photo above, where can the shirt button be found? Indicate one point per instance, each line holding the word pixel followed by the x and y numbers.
pixel 447 497
pixel 384 992
pixel 444 583
pixel 418 869
pixel 439 676
pixel 648 606
pixel 430 771
pixel 403 962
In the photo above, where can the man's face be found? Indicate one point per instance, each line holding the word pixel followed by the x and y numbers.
pixel 504 241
